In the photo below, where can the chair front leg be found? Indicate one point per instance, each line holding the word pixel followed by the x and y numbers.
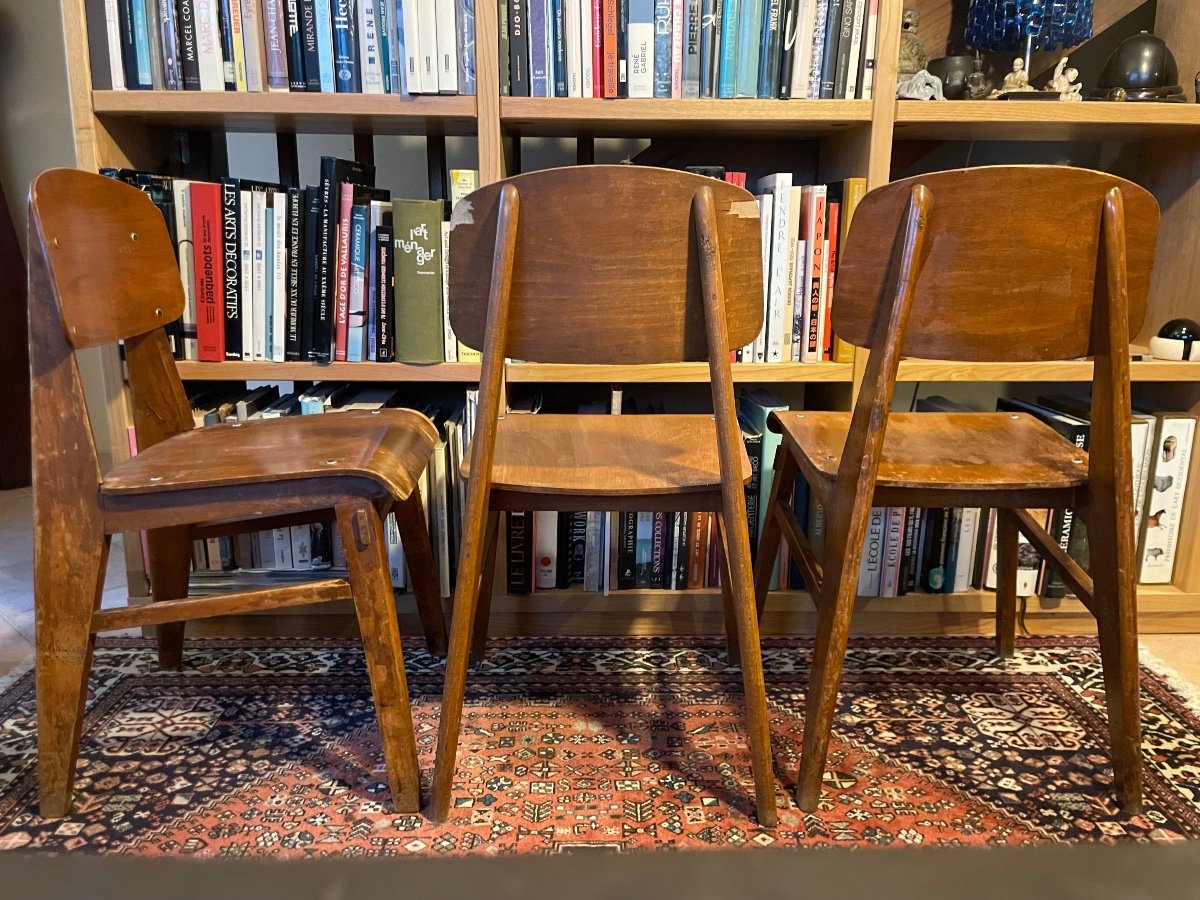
pixel 1007 542
pixel 783 485
pixel 483 605
pixel 170 566
pixel 362 534
pixel 422 571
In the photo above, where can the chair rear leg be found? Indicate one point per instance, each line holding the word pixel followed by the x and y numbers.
pixel 366 558
pixel 729 608
pixel 170 567
pixel 483 605
pixel 422 571
pixel 68 582
pixel 1006 583
pixel 736 550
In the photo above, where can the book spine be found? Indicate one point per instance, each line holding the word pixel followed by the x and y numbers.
pixel 142 34
pixel 371 74
pixel 845 37
pixel 968 540
pixel 383 289
pixel 385 15
pixel 295 266
pixel 829 52
pixel 237 46
pixel 342 271
pixel 622 48
pixel 323 26
pixel 816 252
pixel 710 46
pixel 626 551
pixel 115 62
pixel 449 341
pixel 357 286
pixel 540 76
pixel 520 553
pixel 297 77
pixel 573 48
pixel 1164 504
pixel 870 38
pixel 662 48
pixel 697 549
pixel 772 49
pixel 727 75
pixel 466 45
pixel 206 241
pixel 587 80
pixel 833 213
pixel 345 48
pixel 789 27
pixel 231 262
pixel 184 252
pixel 753 444
pixel 854 57
pixel 502 35
pixel 750 29
pixel 597 35
pixel 608 48
pixel 246 271
pixel 417 267
pixel 871 567
pixel 208 45
pixel 168 27
pixel 545 543
pixel 189 57
pixel 308 271
pixel 658 552
pixel 817 49
pixel 428 45
pixel 447 49
pixel 892 546
pixel 275 28
pixel 264 283
pixel 691 50
pixel 518 49
pixel 279 243
pixel 557 62
pixel 137 66
pixel 641 48
pixel 154 41
pixel 677 16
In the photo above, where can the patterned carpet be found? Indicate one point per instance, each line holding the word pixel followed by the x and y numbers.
pixel 270 749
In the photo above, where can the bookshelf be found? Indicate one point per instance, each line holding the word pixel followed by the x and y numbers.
pixel 849 138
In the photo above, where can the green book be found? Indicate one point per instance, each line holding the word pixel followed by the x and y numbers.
pixel 417 226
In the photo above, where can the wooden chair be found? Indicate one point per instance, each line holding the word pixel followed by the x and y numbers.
pixel 605 265
pixel 102 269
pixel 959 285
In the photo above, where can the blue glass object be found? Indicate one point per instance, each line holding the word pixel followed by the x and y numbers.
pixel 1024 25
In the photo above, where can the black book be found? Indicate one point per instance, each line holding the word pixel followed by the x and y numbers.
pixel 710 47
pixel 790 25
pixel 933 550
pixel 308 27
pixel 187 45
pixel 623 47
pixel 626 551
pixel 518 48
pixel 227 46
pixel 159 189
pixel 128 47
pixel 833 30
pixel 295 47
pixel 660 552
pixel 312 218
pixel 557 63
pixel 845 36
pixel 334 171
pixel 231 264
pixel 772 49
pixel 294 281
pixel 577 546
pixel 562 561
pixel 907 579
pixel 502 25
pixel 681 549
pixel 520 553
pixel 385 300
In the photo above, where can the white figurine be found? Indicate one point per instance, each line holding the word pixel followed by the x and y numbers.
pixel 1015 82
pixel 922 86
pixel 1062 82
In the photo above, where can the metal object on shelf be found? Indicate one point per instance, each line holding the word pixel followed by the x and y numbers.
pixel 1144 68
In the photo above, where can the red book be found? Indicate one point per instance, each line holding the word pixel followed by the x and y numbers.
pixel 833 214
pixel 597 48
pixel 205 200
pixel 341 294
pixel 608 49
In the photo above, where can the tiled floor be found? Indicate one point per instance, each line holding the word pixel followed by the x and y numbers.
pixel 1181 652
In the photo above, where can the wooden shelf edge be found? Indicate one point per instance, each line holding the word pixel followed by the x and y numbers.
pixel 1066 370
pixel 190 370
pixel 1023 120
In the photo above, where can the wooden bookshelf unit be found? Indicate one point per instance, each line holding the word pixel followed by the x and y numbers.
pixel 849 138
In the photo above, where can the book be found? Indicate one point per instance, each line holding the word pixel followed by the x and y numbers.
pixel 749 37
pixel 729 48
pixel 866 86
pixel 790 14
pixel 208 45
pixel 755 407
pixel 294 339
pixel 519 571
pixel 418 280
pixel 297 79
pixel 850 85
pixel 308 43
pixel 205 200
pixel 347 77
pixel 691 49
pixel 893 545
pixel 465 23
pixel 447 49
pixel 829 51
pixel 189 53
pixel 710 47
pixel 540 75
pixel 752 439
pixel 772 49
pixel 370 56
pixel 334 172
pixel 641 48
pixel 845 39
pixel 231 265
pixel 427 37
pixel 870 570
pixel 168 35
pixel 1172 445
pixel 274 24
pixel 326 58
pixel 806 317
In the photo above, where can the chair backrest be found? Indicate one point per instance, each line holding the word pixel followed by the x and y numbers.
pixel 606 268
pixel 1011 263
pixel 102 269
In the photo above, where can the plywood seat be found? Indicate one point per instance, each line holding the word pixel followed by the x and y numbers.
pixel 987 451
pixel 607 455
pixel 390 446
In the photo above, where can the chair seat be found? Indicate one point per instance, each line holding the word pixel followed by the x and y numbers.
pixel 983 451
pixel 607 455
pixel 390 446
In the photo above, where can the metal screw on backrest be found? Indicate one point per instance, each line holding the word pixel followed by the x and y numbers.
pixel 55 242
pixel 331 462
pixel 158 313
pixel 133 236
pixel 156 478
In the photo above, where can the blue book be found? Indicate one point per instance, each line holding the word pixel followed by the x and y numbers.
pixel 269 281
pixel 356 315
pixel 465 22
pixel 141 44
pixel 323 15
pixel 662 48
pixel 730 19
pixel 401 52
pixel 756 406
pixel 387 46
pixel 345 48
pixel 750 29
pixel 172 64
pixel 372 294
pixel 539 76
pixel 558 45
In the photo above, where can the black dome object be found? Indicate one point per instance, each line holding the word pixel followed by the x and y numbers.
pixel 1178 339
pixel 1144 67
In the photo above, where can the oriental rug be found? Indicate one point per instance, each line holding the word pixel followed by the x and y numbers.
pixel 270 749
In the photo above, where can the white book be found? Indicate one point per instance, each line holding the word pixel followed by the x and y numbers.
pixel 640 49
pixel 871 567
pixel 258 280
pixel 279 277
pixel 369 57
pixel 968 532
pixel 397 567
pixel 1141 434
pixel 766 207
pixel 281 543
pixel 246 272
pixel 208 45
pixel 301 546
pixel 799 295
pixel 1172 447
pixel 870 38
pixel 856 39
pixel 447 48
pixel 783 260
pixel 1027 576
pixel 545 549
pixel 410 25
pixel 112 27
pixel 254 41
pixel 183 241
pixel 428 45
pixel 572 9
pixel 585 49
pixel 212 548
pixel 893 546
pixel 449 341
pixel 806 14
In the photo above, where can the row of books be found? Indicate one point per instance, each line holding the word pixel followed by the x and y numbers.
pixel 328 46
pixel 816 49
pixel 337 271
pixel 285 552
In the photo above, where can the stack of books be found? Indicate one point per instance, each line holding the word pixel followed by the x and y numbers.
pixel 814 49
pixel 327 46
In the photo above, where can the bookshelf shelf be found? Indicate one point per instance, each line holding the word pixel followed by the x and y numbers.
pixel 1067 370
pixel 637 117
pixel 1015 120
pixel 300 112
pixel 743 373
pixel 190 370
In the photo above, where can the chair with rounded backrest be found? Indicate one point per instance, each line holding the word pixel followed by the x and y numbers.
pixel 954 287
pixel 102 270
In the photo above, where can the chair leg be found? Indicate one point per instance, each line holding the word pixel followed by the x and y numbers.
pixel 462 623
pixel 170 566
pixel 736 550
pixel 422 571
pixel 732 649
pixel 68 582
pixel 483 605
pixel 782 486
pixel 1006 583
pixel 366 558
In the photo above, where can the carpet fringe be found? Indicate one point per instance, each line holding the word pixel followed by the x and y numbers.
pixel 1188 692
pixel 15 673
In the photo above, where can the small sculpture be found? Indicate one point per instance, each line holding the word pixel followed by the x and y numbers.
pixel 921 86
pixel 1179 339
pixel 1015 82
pixel 977 83
pixel 912 52
pixel 1062 82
